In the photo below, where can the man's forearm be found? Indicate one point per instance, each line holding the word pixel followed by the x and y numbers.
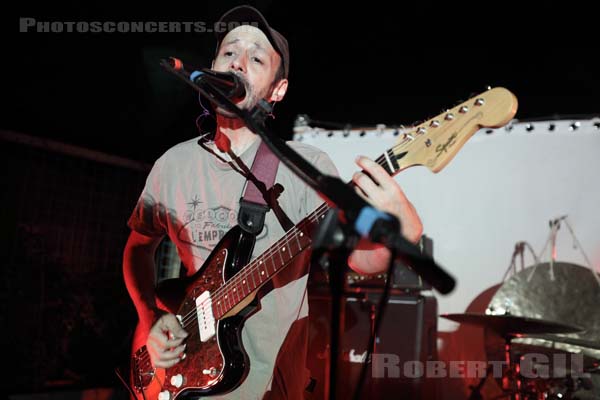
pixel 373 258
pixel 369 258
pixel 138 272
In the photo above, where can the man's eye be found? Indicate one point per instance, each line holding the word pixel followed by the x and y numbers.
pixel 228 53
pixel 257 60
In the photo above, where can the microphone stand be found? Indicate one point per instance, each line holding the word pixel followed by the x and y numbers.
pixel 355 217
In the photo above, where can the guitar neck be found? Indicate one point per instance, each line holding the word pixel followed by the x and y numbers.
pixel 432 143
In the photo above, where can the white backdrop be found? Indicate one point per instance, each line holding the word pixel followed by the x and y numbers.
pixel 502 187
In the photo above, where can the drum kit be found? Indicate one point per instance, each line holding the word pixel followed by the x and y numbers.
pixel 543 326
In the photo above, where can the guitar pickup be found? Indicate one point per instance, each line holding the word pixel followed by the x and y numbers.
pixel 206 320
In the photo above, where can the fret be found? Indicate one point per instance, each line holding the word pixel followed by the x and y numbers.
pixel 259 271
pixel 227 301
pixel 280 251
pixel 302 235
pixel 297 234
pixel 230 294
pixel 245 282
pixel 261 267
pixel 264 266
pixel 215 308
pixel 222 303
pixel 240 289
pixel 287 249
pixel 252 276
pixel 263 270
pixel 272 258
pixel 235 293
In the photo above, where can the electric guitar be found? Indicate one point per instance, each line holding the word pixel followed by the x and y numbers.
pixel 213 303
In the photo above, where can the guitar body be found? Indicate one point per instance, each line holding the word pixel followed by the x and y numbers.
pixel 216 366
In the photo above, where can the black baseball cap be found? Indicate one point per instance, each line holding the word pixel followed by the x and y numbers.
pixel 247 15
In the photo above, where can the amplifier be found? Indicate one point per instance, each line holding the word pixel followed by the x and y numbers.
pixel 407 334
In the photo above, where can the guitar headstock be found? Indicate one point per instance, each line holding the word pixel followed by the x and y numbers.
pixel 436 141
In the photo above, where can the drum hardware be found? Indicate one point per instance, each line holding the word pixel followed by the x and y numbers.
pixel 510 327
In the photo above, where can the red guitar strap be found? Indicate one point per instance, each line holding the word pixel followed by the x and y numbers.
pixel 258 196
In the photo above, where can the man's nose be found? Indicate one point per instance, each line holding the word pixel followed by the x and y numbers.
pixel 238 64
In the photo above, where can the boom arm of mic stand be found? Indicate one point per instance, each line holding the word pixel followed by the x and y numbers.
pixel 366 220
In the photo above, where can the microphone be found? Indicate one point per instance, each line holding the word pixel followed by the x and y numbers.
pixel 228 83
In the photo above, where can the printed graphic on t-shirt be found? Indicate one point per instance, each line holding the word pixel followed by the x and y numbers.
pixel 205 227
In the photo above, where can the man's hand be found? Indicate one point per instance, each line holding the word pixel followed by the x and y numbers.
pixel 165 342
pixel 384 193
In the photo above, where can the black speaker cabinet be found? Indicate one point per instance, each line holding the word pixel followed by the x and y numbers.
pixel 406 340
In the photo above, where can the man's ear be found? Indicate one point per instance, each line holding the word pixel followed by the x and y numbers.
pixel 212 64
pixel 279 90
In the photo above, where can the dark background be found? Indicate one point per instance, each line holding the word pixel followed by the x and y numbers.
pixel 361 64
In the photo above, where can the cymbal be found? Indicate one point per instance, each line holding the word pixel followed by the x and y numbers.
pixel 562 292
pixel 510 325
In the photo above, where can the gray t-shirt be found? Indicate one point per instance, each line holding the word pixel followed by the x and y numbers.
pixel 193 196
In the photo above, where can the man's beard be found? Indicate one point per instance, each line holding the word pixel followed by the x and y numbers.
pixel 248 102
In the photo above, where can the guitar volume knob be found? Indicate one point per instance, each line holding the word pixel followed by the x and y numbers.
pixel 164 395
pixel 177 380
